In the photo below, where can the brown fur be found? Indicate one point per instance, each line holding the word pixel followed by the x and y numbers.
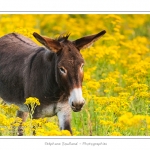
pixel 50 74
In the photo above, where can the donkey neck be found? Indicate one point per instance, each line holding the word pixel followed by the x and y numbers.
pixel 54 89
pixel 41 71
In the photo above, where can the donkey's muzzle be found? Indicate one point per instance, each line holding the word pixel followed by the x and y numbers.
pixel 76 100
pixel 77 106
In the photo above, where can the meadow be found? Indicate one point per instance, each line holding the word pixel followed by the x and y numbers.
pixel 116 83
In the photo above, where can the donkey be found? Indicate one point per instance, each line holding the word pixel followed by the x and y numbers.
pixel 53 74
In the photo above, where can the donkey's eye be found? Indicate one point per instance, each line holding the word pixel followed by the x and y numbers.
pixel 63 70
pixel 82 65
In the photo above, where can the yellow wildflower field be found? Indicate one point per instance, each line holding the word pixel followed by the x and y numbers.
pixel 116 83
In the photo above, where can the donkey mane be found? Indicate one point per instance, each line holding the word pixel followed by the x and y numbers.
pixel 63 37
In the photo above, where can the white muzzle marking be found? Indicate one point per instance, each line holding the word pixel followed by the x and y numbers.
pixel 76 100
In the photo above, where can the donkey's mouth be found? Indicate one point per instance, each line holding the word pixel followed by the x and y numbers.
pixel 76 109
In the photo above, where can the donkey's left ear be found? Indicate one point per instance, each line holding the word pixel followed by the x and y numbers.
pixel 52 45
pixel 87 41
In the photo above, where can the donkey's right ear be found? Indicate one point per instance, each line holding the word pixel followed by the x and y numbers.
pixel 87 41
pixel 51 44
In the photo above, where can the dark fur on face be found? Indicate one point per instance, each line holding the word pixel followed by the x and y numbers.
pixel 71 61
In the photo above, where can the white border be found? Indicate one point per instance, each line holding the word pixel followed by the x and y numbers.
pixel 67 143
pixel 74 12
pixel 75 5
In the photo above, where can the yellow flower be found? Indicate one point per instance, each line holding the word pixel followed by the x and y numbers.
pixel 32 100
pixel 65 133
pixel 115 133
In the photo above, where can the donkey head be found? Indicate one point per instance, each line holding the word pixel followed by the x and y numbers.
pixel 69 64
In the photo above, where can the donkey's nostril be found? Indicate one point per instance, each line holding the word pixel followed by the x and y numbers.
pixel 73 104
pixel 77 106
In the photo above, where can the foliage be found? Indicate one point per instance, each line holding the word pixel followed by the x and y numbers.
pixel 116 79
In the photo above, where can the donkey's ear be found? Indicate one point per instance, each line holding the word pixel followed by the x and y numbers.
pixel 87 41
pixel 51 44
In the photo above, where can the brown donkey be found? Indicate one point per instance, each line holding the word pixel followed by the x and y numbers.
pixel 53 74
